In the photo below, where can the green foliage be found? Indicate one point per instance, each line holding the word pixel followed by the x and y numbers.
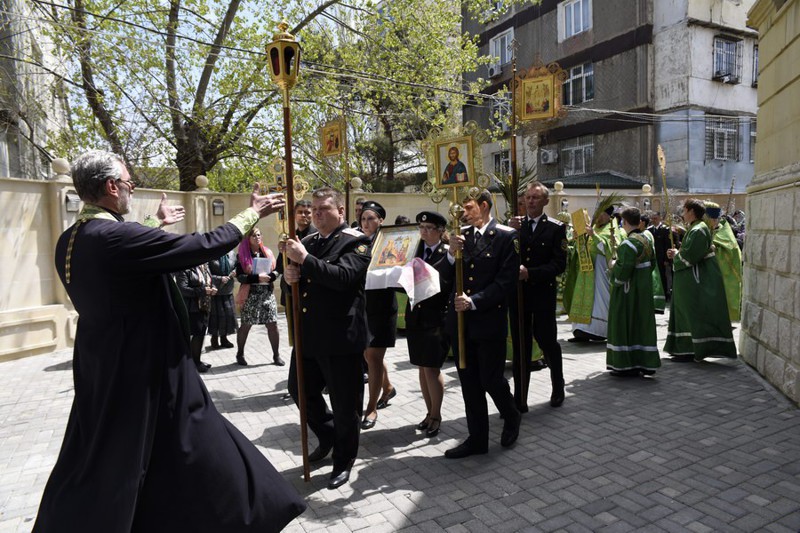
pixel 395 67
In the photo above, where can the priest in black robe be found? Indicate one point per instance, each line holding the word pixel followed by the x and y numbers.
pixel 145 449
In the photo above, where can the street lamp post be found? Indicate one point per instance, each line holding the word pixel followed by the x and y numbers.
pixel 283 59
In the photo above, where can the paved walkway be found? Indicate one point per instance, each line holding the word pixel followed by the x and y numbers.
pixel 702 447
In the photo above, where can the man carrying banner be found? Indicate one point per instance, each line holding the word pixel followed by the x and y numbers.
pixel 330 267
pixel 491 268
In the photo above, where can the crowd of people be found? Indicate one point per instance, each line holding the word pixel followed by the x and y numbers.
pixel 139 396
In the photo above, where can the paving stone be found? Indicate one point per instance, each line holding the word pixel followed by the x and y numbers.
pixel 704 447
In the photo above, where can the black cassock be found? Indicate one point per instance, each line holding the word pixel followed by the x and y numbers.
pixel 145 449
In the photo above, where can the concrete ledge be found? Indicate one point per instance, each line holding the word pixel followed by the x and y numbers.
pixel 35 331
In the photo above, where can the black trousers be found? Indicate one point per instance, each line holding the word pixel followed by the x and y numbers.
pixel 485 363
pixel 341 424
pixel 539 322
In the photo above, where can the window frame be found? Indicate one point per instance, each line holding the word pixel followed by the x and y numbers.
pixel 722 139
pixel 568 151
pixel 726 62
pixel 568 15
pixel 572 76
pixel 502 163
pixel 494 43
pixel 753 138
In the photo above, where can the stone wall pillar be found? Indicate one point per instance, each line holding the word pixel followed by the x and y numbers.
pixel 770 336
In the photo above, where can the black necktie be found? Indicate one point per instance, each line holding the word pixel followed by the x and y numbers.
pixel 532 224
pixel 477 237
pixel 427 254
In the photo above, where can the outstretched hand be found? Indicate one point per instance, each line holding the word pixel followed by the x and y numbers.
pixel 266 204
pixel 169 214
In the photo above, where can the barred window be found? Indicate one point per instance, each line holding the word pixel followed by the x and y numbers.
pixel 501 114
pixel 579 85
pixel 727 60
pixel 502 163
pixel 752 140
pixel 577 155
pixel 722 138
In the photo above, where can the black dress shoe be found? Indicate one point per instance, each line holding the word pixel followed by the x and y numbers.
pixel 557 398
pixel 537 365
pixel 383 403
pixel 340 476
pixel 510 431
pixel 625 373
pixel 278 360
pixel 202 367
pixel 424 424
pixel 369 423
pixel 226 343
pixel 214 344
pixel 465 449
pixel 320 453
pixel 240 360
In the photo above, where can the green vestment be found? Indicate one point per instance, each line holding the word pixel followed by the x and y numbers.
pixel 631 317
pixel 729 257
pixel 699 325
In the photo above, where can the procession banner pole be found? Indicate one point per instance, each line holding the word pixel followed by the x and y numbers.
pixel 284 61
pixel 662 162
pixel 514 197
pixel 457 211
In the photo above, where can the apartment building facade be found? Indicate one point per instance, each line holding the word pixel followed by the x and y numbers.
pixel 639 73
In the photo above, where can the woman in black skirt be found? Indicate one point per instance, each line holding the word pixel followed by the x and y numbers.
pixel 255 297
pixel 382 324
pixel 197 289
pixel 427 341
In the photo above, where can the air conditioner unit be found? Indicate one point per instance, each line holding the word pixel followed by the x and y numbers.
pixel 548 157
pixel 495 70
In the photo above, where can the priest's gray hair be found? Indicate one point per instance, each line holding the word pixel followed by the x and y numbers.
pixel 91 171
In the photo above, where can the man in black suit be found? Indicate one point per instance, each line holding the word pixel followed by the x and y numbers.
pixel 491 267
pixel 331 266
pixel 662 243
pixel 543 243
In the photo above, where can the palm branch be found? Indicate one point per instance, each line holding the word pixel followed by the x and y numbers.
pixel 612 200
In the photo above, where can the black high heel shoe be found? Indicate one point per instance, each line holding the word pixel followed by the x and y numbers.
pixel 424 424
pixel 384 402
pixel 433 427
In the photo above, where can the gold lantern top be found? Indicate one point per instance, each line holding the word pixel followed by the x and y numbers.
pixel 283 58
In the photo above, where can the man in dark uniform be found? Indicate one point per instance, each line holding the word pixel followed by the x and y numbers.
pixel 331 266
pixel 491 268
pixel 661 243
pixel 543 243
pixel 145 449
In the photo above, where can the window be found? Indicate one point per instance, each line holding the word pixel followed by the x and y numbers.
pixel 500 47
pixel 502 163
pixel 727 60
pixel 752 140
pixel 755 66
pixel 577 155
pixel 501 113
pixel 579 85
pixel 575 16
pixel 722 139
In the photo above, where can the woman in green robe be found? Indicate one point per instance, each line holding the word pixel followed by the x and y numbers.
pixel 699 325
pixel 631 349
